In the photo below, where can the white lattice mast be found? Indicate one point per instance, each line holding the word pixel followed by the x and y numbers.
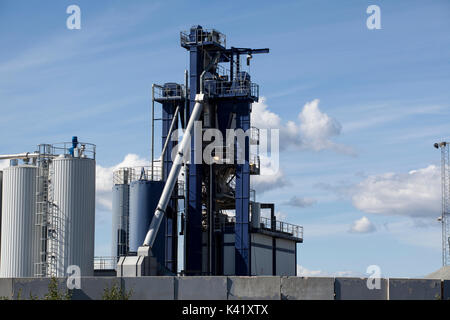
pixel 445 184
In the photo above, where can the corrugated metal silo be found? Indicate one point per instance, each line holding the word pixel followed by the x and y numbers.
pixel 120 211
pixel 73 182
pixel 18 208
pixel 144 197
pixel 1 186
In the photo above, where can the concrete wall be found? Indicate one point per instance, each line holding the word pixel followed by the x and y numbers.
pixel 357 289
pixel 93 288
pixel 298 288
pixel 254 288
pixel 150 288
pixel 232 288
pixel 201 288
pixel 27 288
pixel 6 288
pixel 414 289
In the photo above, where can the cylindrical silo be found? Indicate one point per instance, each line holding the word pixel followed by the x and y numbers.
pixel 18 208
pixel 120 211
pixel 144 197
pixel 1 186
pixel 73 181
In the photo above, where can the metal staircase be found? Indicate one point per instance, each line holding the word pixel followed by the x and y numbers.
pixel 48 223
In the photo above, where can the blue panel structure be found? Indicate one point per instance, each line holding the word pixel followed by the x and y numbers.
pixel 193 240
pixel 170 227
pixel 242 238
pixel 229 95
pixel 144 197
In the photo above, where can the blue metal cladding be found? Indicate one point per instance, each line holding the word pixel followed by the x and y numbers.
pixel 168 113
pixel 144 197
pixel 242 237
pixel 120 211
pixel 203 55
pixel 193 238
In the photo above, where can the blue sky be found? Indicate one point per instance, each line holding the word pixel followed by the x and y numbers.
pixel 385 92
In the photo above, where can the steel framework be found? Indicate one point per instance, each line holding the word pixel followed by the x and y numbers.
pixel 445 185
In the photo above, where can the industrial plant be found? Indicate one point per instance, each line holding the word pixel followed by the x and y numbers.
pixel 48 196
pixel 177 223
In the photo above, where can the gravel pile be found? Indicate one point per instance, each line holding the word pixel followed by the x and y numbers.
pixel 443 274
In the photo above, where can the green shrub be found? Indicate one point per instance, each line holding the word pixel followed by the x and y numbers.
pixel 116 293
pixel 54 293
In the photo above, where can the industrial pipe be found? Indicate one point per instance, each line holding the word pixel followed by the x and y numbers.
pixel 25 155
pixel 174 172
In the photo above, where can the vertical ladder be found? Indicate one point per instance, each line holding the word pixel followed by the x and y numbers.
pixel 49 237
pixel 42 183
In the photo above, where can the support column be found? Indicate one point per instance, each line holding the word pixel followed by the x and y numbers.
pixel 193 238
pixel 169 222
pixel 242 233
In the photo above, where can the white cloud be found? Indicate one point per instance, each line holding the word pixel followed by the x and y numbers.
pixel 415 194
pixel 263 183
pixel 300 202
pixel 362 225
pixel 304 272
pixel 262 117
pixel 104 178
pixel 316 127
pixel 281 216
pixel 270 178
pixel 313 129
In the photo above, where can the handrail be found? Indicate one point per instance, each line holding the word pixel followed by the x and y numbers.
pixel 281 226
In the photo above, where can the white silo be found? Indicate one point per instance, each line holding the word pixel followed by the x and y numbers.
pixel 73 182
pixel 18 208
pixel 1 186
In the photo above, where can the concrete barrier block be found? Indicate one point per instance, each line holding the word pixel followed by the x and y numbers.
pixel 6 291
pixel 35 288
pixel 357 289
pixel 254 288
pixel 150 288
pixel 299 288
pixel 414 289
pixel 93 288
pixel 445 290
pixel 201 288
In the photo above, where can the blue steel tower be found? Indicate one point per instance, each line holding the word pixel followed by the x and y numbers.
pixel 224 232
pixel 211 188
pixel 230 93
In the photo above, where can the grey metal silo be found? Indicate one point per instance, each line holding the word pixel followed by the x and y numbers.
pixel 73 182
pixel 120 211
pixel 1 186
pixel 18 208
